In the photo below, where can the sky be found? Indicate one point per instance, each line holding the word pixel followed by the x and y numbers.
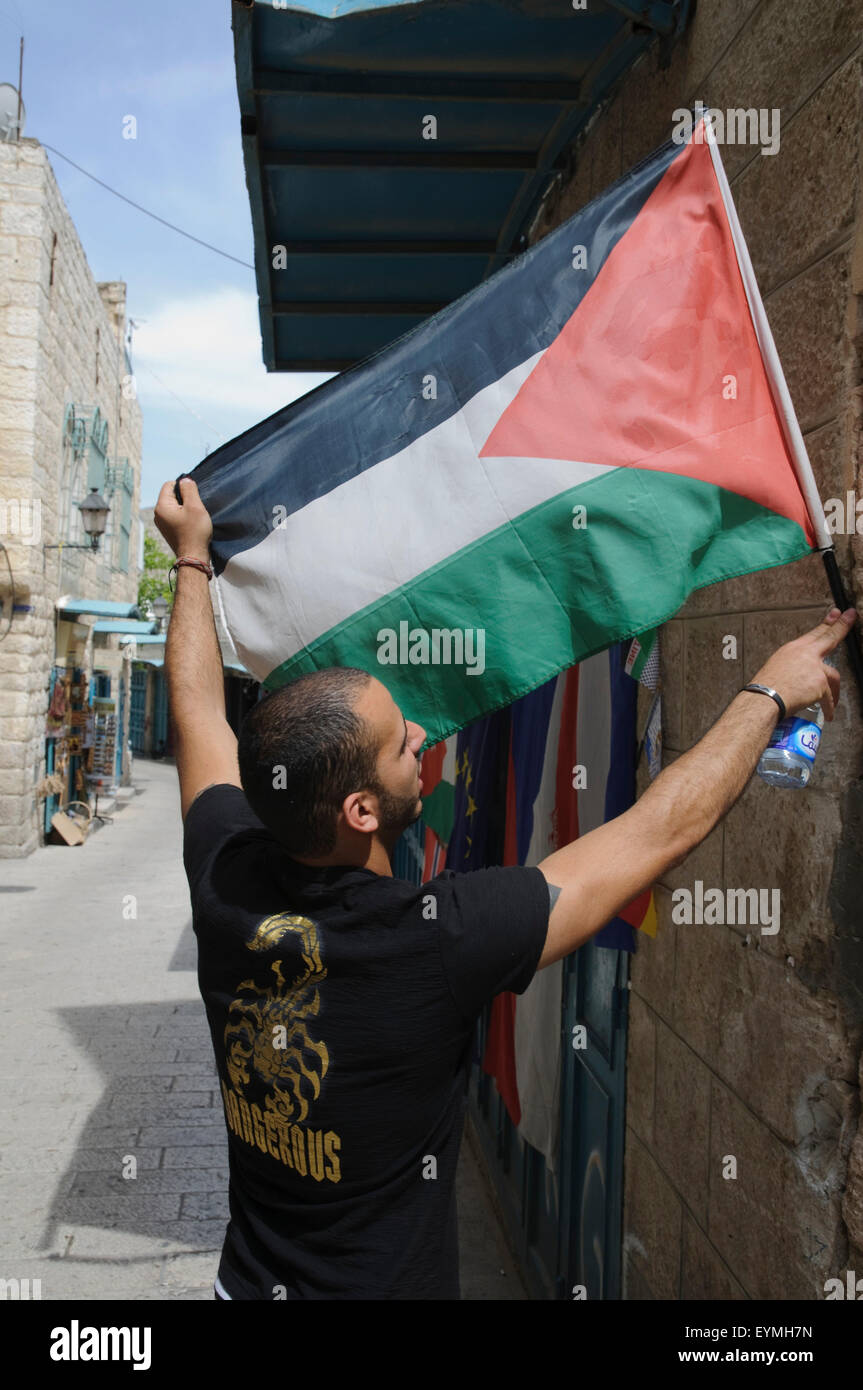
pixel 196 346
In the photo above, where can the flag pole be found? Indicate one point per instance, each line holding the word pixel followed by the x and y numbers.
pixel 782 401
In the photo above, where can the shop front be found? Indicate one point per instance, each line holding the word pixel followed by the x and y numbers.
pixel 87 751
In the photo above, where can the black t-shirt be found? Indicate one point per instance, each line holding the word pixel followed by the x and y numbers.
pixel 342 1006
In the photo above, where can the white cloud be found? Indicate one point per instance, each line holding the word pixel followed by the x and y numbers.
pixel 206 349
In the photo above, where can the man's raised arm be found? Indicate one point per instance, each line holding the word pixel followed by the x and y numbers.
pixel 205 746
pixel 605 869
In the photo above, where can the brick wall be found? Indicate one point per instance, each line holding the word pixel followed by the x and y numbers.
pixel 61 341
pixel 743 1044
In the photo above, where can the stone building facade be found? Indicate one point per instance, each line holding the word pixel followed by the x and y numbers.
pixel 69 421
pixel 743 1045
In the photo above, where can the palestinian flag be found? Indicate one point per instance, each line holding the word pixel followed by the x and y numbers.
pixel 551 464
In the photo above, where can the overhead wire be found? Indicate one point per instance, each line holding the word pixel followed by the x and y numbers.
pixel 181 402
pixel 155 216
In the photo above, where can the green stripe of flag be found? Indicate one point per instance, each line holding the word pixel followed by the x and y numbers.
pixel 548 595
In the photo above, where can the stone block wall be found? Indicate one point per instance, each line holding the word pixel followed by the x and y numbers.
pixel 61 342
pixel 743 1045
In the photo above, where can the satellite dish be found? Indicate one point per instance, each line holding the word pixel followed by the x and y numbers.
pixel 9 113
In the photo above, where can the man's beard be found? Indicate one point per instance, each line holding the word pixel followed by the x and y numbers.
pixel 396 813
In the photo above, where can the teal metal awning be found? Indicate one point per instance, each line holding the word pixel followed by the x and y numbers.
pixel 396 153
pixel 99 607
pixel 231 668
pixel 155 639
pixel 125 628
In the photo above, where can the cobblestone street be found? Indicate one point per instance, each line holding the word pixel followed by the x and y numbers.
pixel 107 1059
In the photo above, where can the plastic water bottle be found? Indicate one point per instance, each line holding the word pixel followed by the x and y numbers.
pixel 789 756
pixel 788 759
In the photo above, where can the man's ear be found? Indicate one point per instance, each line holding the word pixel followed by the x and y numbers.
pixel 360 811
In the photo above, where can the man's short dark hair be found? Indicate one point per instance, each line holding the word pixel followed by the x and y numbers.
pixel 302 750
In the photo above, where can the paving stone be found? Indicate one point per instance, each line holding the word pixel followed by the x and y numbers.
pixel 112 1136
pixel 192 1081
pixel 109 1160
pixel 136 1085
pixel 197 1235
pixel 181 1136
pixel 187 1276
pixel 192 1054
pixel 158 1181
pixel 172 1105
pixel 198 1073
pixel 205 1156
pixel 116 1209
pixel 205 1206
pixel 18 1159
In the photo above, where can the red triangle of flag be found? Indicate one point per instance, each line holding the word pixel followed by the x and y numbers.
pixel 659 366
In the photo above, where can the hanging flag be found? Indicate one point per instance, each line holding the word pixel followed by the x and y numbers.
pixel 618 793
pixel 477 834
pixel 652 738
pixel 528 730
pixel 571 769
pixel 550 464
pixel 438 773
pixel 538 1019
pixel 642 660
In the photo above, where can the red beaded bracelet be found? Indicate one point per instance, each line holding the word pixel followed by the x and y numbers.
pixel 201 565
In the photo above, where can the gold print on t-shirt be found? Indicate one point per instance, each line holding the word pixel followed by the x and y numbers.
pixel 267 1030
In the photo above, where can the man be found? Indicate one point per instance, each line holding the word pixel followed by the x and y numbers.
pixel 342 1002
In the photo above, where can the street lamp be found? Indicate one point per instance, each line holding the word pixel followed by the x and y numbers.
pixel 94 516
pixel 159 606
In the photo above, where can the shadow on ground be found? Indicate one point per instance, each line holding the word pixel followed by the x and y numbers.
pixel 152 1157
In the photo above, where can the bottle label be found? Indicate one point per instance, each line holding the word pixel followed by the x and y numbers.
pixel 797 736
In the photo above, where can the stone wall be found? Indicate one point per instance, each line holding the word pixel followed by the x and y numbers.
pixel 61 342
pixel 743 1044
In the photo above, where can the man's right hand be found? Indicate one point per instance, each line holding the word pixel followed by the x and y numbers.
pixel 186 528
pixel 797 671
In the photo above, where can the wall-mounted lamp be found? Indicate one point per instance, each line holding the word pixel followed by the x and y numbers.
pixel 94 516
